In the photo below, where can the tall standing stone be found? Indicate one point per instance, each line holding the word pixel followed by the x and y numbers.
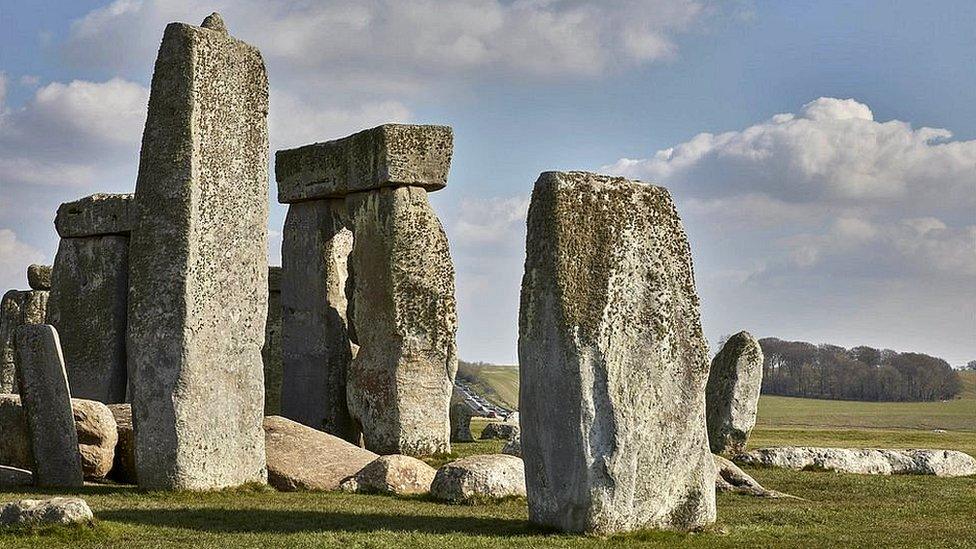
pixel 198 264
pixel 461 415
pixel 612 359
pixel 732 393
pixel 271 353
pixel 368 288
pixel 89 294
pixel 47 402
pixel 17 308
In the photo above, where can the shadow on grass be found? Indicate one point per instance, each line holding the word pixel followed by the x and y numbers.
pixel 288 521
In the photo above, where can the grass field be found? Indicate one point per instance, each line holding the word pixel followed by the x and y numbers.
pixel 839 510
pixel 499 384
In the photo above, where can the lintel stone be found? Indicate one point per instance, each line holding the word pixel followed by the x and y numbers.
pixel 95 215
pixel 390 155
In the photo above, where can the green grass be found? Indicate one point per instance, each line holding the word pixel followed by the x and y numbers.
pixel 840 510
pixel 498 384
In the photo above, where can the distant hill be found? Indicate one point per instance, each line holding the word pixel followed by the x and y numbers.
pixel 497 383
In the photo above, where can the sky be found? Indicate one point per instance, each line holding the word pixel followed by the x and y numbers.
pixel 822 154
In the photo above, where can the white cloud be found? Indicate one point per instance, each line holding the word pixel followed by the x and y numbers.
pixel 15 256
pixel 491 221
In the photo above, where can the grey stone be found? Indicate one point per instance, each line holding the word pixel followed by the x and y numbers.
pixel 404 321
pixel 12 476
pixel 316 350
pixel 124 464
pixel 88 306
pixel 461 415
pixel 96 215
pixel 39 277
pixel 730 478
pixel 271 352
pixel 16 309
pixel 476 478
pixel 865 461
pixel 15 439
pixel 303 458
pixel 47 402
pixel 732 393
pixel 499 430
pixel 384 156
pixel 513 446
pixel 214 22
pixel 613 362
pixel 198 265
pixel 41 512
pixel 394 474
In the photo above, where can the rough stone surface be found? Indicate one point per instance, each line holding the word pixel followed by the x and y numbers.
pixel 39 277
pixel 96 215
pixel 499 430
pixel 729 478
pixel 124 464
pixel 271 352
pixel 198 265
pixel 479 477
pixel 404 320
pixel 88 306
pixel 97 436
pixel 47 403
pixel 513 446
pixel 395 474
pixel 16 309
pixel 732 393
pixel 214 22
pixel 15 439
pixel 461 415
pixel 40 512
pixel 384 156
pixel 316 350
pixel 613 361
pixel 12 476
pixel 865 461
pixel 303 458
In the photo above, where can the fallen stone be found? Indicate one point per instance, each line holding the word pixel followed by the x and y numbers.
pixel 499 431
pixel 47 403
pixel 404 320
pixel 316 350
pixel 98 437
pixel 39 277
pixel 198 265
pixel 390 155
pixel 271 352
pixel 476 478
pixel 732 393
pixel 461 415
pixel 513 446
pixel 16 309
pixel 864 461
pixel 124 464
pixel 89 306
pixel 303 458
pixel 42 512
pixel 394 474
pixel 609 312
pixel 729 478
pixel 12 477
pixel 95 215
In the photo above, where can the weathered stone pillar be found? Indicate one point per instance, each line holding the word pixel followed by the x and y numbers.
pixel 461 415
pixel 89 294
pixel 47 403
pixel 732 393
pixel 612 359
pixel 271 352
pixel 400 320
pixel 198 264
pixel 19 307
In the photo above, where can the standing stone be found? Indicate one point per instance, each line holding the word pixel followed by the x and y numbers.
pixel 732 393
pixel 198 265
pixel 45 396
pixel 39 277
pixel 271 352
pixel 613 361
pixel 16 309
pixel 404 318
pixel 461 415
pixel 316 349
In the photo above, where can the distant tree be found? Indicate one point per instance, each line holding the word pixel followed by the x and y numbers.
pixel 971 365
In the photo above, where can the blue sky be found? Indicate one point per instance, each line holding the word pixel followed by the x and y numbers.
pixel 792 135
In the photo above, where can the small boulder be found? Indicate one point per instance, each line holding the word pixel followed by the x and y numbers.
pixel 393 474
pixel 12 476
pixel 39 277
pixel 303 458
pixel 124 467
pixel 499 431
pixel 513 446
pixel 39 512
pixel 476 478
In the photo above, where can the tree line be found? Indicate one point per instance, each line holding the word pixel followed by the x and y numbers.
pixel 798 368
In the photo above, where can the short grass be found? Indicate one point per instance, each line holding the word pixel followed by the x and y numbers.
pixel 499 384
